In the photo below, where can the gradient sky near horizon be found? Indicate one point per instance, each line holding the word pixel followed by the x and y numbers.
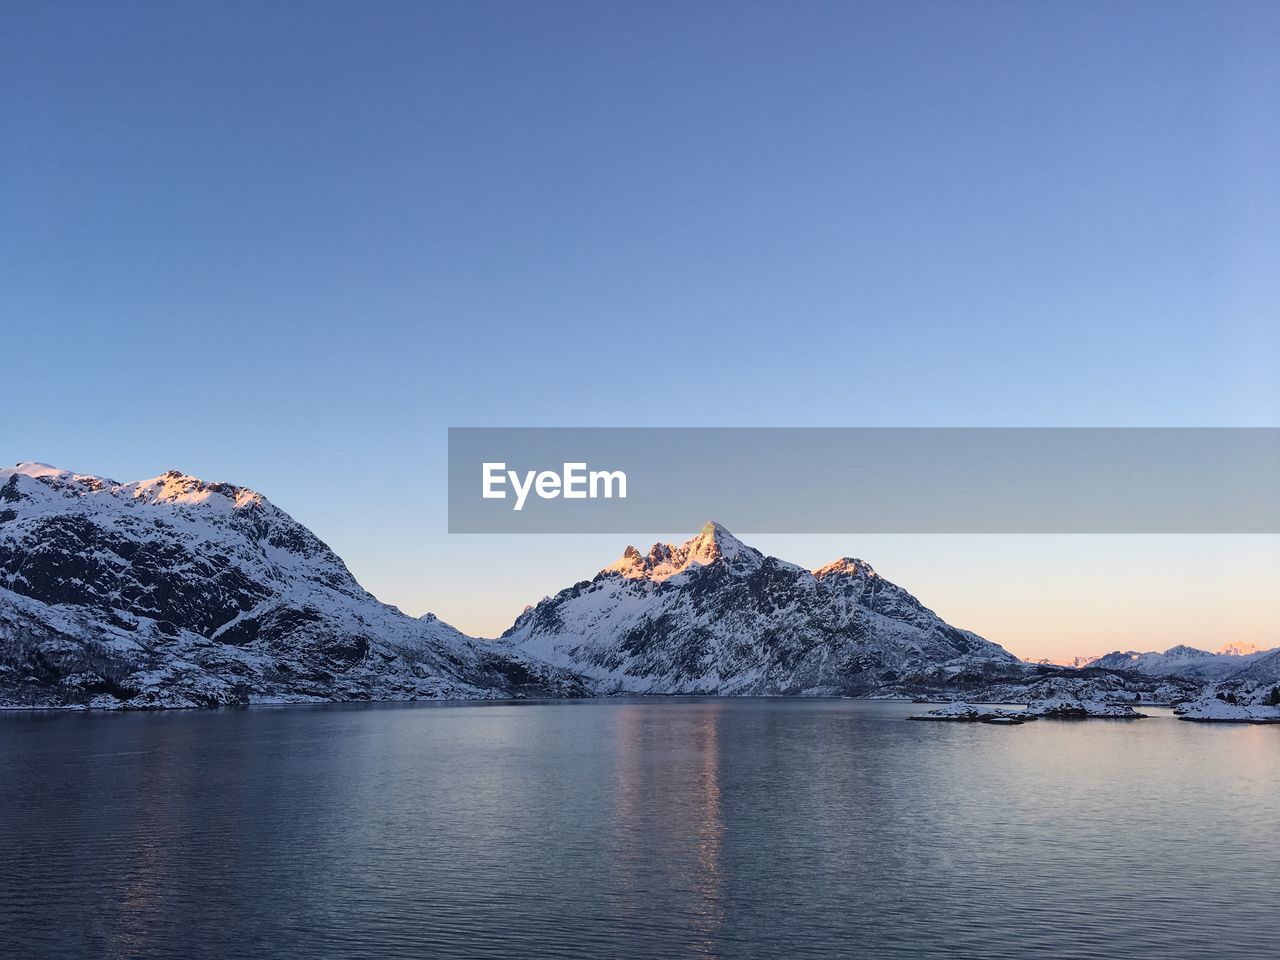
pixel 288 244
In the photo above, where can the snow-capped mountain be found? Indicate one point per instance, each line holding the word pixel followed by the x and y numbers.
pixel 1184 661
pixel 713 615
pixel 1262 668
pixel 177 592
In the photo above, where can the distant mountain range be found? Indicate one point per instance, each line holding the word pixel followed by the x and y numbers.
pixel 176 592
pixel 1231 661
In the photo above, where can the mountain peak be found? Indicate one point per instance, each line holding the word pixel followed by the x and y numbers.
pixel 1239 648
pixel 846 566
pixel 174 486
pixel 51 477
pixel 712 543
pixel 33 468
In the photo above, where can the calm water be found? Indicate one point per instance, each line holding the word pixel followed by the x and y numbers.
pixel 757 828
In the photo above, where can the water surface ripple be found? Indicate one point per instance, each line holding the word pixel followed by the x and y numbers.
pixel 668 828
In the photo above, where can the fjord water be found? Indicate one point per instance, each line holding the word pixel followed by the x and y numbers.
pixel 625 828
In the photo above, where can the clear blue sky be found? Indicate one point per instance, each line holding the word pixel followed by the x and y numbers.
pixel 288 244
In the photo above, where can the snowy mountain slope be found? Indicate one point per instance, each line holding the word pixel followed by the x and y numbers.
pixel 177 592
pixel 714 615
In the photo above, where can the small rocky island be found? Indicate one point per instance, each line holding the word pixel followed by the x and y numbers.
pixel 1230 708
pixel 961 712
pixel 1070 708
pixel 1055 708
